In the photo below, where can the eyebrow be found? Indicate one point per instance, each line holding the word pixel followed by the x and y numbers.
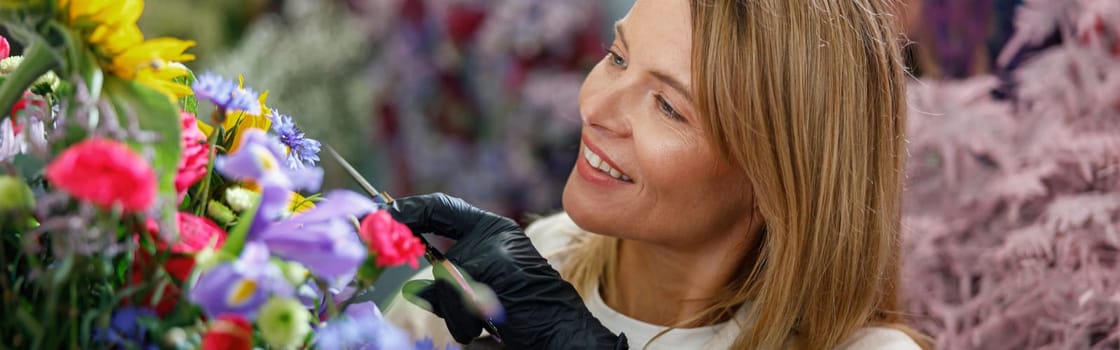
pixel 662 76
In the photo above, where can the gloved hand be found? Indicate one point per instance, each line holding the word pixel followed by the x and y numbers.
pixel 542 311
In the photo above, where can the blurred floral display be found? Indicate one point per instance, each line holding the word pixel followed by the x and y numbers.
pixel 1013 203
pixel 128 222
pixel 479 98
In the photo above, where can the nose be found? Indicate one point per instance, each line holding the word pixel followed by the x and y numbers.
pixel 602 106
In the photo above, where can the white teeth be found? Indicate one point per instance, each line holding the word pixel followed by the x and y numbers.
pixel 598 163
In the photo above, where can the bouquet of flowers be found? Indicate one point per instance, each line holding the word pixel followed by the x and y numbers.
pixel 127 222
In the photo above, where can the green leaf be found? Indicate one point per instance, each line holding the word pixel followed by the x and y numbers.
pixel 157 114
pixel 188 104
pixel 38 58
pixel 412 288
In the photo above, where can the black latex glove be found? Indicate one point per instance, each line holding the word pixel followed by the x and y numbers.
pixel 542 311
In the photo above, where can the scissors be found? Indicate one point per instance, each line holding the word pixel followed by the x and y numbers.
pixel 433 255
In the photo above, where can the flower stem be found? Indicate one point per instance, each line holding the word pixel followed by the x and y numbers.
pixel 37 60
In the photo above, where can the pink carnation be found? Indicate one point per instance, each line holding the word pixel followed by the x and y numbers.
pixel 196 155
pixel 5 48
pixel 392 242
pixel 105 173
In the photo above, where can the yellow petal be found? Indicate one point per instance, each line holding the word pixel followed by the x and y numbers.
pixel 264 107
pixel 248 121
pixel 115 40
pixel 162 80
pixel 84 8
pixel 154 53
pixel 299 204
pixel 205 128
pixel 119 12
pixel 241 292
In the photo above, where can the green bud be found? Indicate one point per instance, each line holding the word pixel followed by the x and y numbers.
pixel 241 199
pixel 218 211
pixel 15 195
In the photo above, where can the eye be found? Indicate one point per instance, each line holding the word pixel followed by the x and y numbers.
pixel 616 59
pixel 668 109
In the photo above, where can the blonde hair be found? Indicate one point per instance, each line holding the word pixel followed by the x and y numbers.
pixel 807 99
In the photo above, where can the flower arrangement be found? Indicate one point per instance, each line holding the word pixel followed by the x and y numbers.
pixel 1012 216
pixel 126 222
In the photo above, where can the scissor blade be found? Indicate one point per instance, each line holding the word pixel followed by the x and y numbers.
pixel 354 174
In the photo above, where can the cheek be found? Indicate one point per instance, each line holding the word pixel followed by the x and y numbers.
pixel 687 178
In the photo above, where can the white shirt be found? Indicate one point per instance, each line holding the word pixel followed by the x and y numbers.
pixel 551 235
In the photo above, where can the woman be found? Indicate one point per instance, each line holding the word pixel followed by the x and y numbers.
pixel 739 186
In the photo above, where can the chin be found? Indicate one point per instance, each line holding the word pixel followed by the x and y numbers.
pixel 590 214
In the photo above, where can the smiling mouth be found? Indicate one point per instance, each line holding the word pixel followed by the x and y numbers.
pixel 599 164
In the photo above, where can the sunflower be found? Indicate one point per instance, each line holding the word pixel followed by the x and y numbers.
pixel 109 27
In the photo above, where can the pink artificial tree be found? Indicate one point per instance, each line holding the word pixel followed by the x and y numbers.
pixel 1012 210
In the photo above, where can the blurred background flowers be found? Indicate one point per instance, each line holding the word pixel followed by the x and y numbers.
pixel 1013 206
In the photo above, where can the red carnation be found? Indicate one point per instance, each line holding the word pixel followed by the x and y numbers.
pixel 195 234
pixel 105 173
pixel 229 332
pixel 391 241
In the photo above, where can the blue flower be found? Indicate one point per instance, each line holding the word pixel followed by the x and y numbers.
pixel 302 151
pixel 368 332
pixel 125 329
pixel 226 94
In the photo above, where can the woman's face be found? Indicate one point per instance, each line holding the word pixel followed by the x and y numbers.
pixel 646 169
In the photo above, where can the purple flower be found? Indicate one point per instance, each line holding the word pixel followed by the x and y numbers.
pixel 302 151
pixel 323 239
pixel 258 159
pixel 240 287
pixel 125 329
pixel 226 94
pixel 366 332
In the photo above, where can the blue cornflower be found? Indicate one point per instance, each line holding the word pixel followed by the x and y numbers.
pixel 126 329
pixel 302 151
pixel 226 94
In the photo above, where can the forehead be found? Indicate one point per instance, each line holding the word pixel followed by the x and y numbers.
pixel 658 34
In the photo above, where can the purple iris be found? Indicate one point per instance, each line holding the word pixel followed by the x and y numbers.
pixel 226 94
pixel 240 287
pixel 258 159
pixel 323 239
pixel 302 151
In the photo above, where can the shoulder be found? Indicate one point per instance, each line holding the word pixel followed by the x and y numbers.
pixel 879 338
pixel 555 236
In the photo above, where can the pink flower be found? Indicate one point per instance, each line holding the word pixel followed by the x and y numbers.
pixel 5 48
pixel 105 173
pixel 196 155
pixel 392 242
